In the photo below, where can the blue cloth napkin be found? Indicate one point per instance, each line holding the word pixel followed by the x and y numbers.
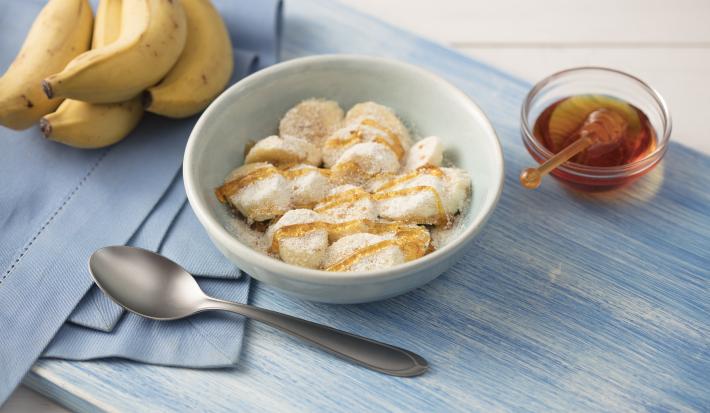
pixel 59 204
pixel 173 230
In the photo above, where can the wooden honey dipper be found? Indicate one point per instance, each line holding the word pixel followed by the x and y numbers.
pixel 603 127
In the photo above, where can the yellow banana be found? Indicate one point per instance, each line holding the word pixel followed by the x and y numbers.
pixel 152 37
pixel 61 31
pixel 94 125
pixel 203 70
pixel 107 26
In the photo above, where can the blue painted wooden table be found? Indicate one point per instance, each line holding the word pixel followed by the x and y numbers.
pixel 565 302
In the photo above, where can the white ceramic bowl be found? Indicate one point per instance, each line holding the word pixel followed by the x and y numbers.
pixel 251 109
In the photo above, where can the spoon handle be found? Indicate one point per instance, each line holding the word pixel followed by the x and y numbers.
pixel 372 354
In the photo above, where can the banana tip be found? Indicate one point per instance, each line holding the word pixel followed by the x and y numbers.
pixel 45 127
pixel 47 88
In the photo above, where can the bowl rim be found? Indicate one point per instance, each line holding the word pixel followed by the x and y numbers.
pixel 246 254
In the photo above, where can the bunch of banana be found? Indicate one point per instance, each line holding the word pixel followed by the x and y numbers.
pixel 173 57
pixel 94 125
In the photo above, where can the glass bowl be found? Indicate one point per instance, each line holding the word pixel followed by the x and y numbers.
pixel 602 81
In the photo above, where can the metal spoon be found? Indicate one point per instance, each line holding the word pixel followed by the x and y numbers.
pixel 155 287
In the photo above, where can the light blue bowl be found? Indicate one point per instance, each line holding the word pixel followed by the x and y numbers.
pixel 251 109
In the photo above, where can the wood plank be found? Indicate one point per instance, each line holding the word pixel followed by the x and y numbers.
pixel 680 75
pixel 557 22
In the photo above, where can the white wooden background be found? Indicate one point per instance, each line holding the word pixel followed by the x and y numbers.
pixel 665 43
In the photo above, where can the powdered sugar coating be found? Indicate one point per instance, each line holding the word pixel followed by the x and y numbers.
pixel 309 186
pixel 426 152
pixel 457 189
pixel 262 199
pixel 313 120
pixel 358 131
pixel 244 170
pixel 364 160
pixel 420 207
pixel 355 203
pixel 252 238
pixel 305 250
pixel 294 216
pixel 286 150
pixel 383 115
pixel 348 245
pixel 337 143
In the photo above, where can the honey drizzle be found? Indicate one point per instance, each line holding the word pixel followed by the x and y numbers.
pixel 349 169
pixel 354 137
pixel 356 194
pixel 414 241
pixel 361 253
pixel 346 197
pixel 284 159
pixel 295 230
pixel 391 140
pixel 232 187
pixel 295 173
pixel 383 193
pixel 443 217
pixel 424 170
pixel 409 241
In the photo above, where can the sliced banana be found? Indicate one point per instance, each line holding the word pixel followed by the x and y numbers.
pixel 259 191
pixel 382 115
pixel 343 188
pixel 348 253
pixel 418 200
pixel 364 160
pixel 427 152
pixel 337 143
pixel 366 131
pixel 457 188
pixel 299 239
pixel 309 185
pixel 347 203
pixel 287 150
pixel 377 181
pixel 313 120
pixel 244 170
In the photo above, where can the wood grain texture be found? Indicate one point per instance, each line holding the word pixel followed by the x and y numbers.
pixel 565 302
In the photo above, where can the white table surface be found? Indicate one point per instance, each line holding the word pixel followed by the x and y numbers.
pixel 667 45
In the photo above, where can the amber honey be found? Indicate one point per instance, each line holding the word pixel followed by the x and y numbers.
pixel 557 126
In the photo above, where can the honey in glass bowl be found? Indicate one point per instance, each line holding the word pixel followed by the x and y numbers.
pixel 557 108
pixel 556 126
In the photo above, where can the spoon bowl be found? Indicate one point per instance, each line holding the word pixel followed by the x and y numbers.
pixel 146 283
